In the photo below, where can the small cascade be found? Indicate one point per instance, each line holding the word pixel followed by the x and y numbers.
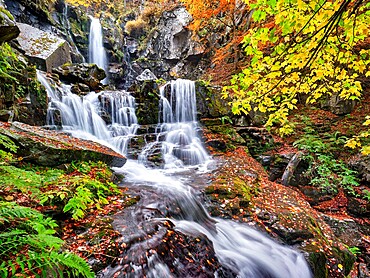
pixel 86 117
pixel 97 54
pixel 121 108
pixel 177 128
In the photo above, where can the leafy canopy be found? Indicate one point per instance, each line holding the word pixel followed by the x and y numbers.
pixel 301 49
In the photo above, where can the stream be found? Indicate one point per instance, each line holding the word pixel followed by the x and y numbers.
pixel 168 232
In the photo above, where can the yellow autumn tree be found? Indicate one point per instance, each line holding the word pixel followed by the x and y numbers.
pixel 301 48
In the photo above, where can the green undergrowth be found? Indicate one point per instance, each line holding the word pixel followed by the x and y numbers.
pixel 29 247
pixel 327 170
pixel 28 242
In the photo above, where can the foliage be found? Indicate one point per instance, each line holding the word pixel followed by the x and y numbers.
pixel 354 250
pixel 357 141
pixel 87 185
pixel 327 172
pixel 28 246
pixel 6 157
pixel 118 8
pixel 7 143
pixel 230 20
pixel 298 47
pixel 17 81
pixel 12 70
pixel 26 180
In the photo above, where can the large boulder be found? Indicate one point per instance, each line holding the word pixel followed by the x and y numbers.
pixel 88 74
pixel 42 48
pixel 52 148
pixel 172 41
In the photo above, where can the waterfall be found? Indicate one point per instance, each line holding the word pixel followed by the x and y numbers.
pixel 178 126
pixel 97 54
pixel 83 116
pixel 238 247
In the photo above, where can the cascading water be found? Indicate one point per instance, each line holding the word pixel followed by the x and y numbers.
pixel 239 248
pixel 97 54
pixel 83 116
pixel 177 123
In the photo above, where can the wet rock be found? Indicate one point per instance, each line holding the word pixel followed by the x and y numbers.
pixel 88 74
pixel 358 207
pixel 338 105
pixel 150 246
pixel 147 99
pixel 80 89
pixel 146 75
pixel 44 49
pixel 51 148
pixel 257 139
pixel 361 164
pixel 8 28
pixel 210 104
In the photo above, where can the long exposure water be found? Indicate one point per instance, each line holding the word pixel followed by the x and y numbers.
pixel 238 247
pixel 97 54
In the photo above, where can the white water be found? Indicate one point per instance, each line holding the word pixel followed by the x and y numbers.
pixel 177 123
pixel 97 54
pixel 82 116
pixel 238 247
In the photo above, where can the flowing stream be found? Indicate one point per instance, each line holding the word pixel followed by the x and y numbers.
pixel 170 192
pixel 97 54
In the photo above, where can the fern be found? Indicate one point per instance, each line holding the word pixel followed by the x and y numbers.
pixel 28 246
pixel 87 185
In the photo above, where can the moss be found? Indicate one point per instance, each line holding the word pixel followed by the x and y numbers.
pixel 318 264
pixel 5 12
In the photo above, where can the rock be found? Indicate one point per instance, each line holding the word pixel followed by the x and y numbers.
pixel 42 48
pixel 209 102
pixel 147 99
pixel 348 231
pixel 146 75
pixel 80 89
pixel 291 169
pixel 217 144
pixel 8 28
pixel 257 139
pixel 88 74
pixel 172 41
pixel 361 164
pixel 338 105
pixel 358 207
pixel 170 49
pixel 7 33
pixel 52 148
